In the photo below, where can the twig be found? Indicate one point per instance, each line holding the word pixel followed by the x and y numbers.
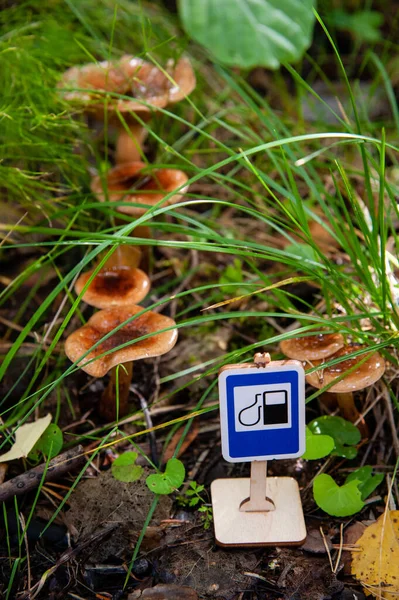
pixel 32 478
pixel 148 421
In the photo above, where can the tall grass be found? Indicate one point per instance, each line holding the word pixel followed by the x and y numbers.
pixel 266 168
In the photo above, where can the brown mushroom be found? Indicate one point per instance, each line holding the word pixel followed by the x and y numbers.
pixel 361 374
pixel 114 286
pixel 315 349
pixel 105 322
pixel 312 347
pixel 148 86
pixel 136 183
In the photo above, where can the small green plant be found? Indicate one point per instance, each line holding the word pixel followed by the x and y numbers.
pixel 233 275
pixel 337 437
pixel 363 25
pixel 344 434
pixel 347 499
pixel 124 468
pixel 317 445
pixel 170 480
pixel 193 498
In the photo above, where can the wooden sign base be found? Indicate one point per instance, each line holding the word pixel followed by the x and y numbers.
pixel 236 525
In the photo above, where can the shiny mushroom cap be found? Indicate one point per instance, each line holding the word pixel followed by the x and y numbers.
pixel 312 347
pixel 105 321
pixel 148 86
pixel 156 87
pixel 105 76
pixel 114 286
pixel 129 182
pixel 367 373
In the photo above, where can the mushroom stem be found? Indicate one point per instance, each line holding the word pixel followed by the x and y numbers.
pixel 109 408
pixel 143 231
pixel 129 144
pixel 348 410
pixel 124 255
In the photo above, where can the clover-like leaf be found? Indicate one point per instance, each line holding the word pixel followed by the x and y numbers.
pixel 124 468
pixel 367 481
pixel 170 480
pixel 250 33
pixel 338 501
pixel 345 434
pixel 317 445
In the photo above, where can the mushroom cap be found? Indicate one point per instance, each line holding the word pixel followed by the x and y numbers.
pixel 104 77
pixel 103 322
pixel 127 183
pixel 312 347
pixel 149 86
pixel 361 377
pixel 114 286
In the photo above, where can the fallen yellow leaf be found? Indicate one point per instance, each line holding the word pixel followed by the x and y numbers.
pixel 376 561
pixel 26 437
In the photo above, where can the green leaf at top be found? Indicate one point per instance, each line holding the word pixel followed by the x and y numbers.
pixel 338 501
pixel 124 468
pixel 250 33
pixel 367 481
pixel 345 434
pixel 317 446
pixel 170 480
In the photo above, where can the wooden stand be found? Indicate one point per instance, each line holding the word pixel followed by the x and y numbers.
pixel 257 501
pixel 271 516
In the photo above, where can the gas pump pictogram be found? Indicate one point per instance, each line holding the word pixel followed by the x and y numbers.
pixel 269 408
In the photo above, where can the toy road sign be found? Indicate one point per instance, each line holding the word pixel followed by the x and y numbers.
pixel 262 411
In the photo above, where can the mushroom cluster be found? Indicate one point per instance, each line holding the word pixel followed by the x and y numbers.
pixel 123 331
pixel 346 375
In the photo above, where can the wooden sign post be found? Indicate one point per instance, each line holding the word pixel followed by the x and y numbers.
pixel 262 413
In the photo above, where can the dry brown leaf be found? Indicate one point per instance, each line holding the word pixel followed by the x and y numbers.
pixel 376 563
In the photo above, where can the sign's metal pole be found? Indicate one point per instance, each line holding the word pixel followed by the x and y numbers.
pixel 257 502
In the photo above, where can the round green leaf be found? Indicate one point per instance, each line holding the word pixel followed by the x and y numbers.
pixel 125 469
pixel 367 482
pixel 317 446
pixel 335 500
pixel 50 442
pixel 250 33
pixel 166 483
pixel 345 434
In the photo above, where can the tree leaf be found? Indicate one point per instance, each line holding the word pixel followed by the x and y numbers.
pixel 375 563
pixel 124 467
pixel 50 442
pixel 317 445
pixel 168 482
pixel 339 501
pixel 250 33
pixel 367 481
pixel 344 433
pixel 26 437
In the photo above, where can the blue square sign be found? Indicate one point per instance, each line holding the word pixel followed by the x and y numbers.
pixel 262 411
